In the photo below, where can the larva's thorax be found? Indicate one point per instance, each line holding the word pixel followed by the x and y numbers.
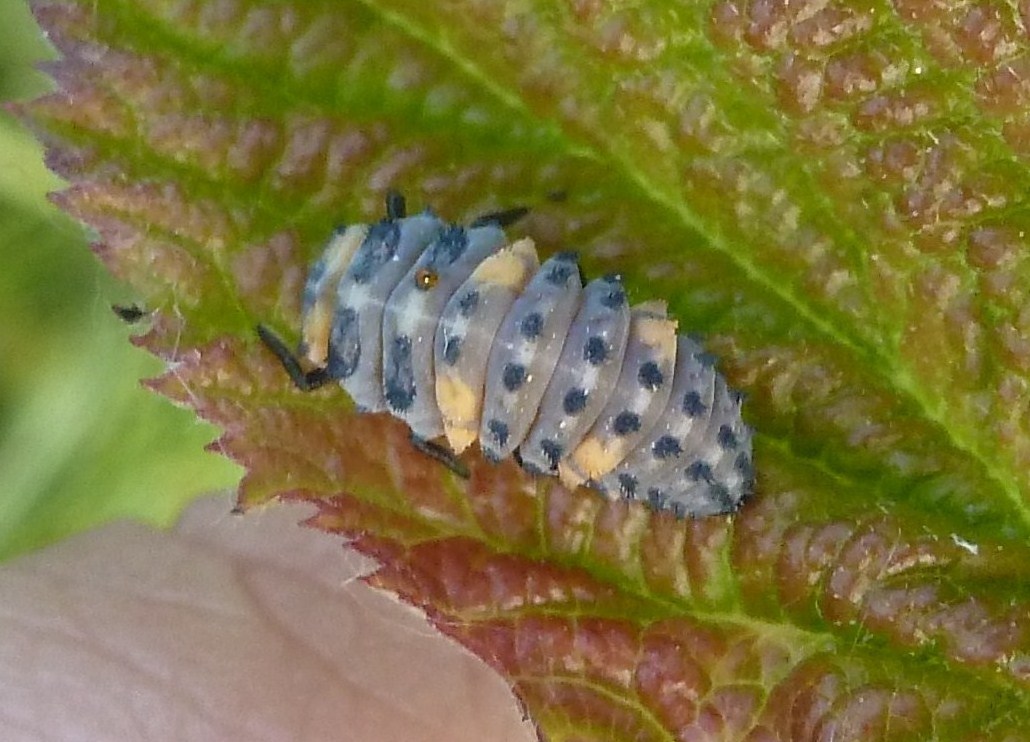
pixel 411 317
pixel 384 258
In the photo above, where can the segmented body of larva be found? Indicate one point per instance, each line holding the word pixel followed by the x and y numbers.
pixel 468 337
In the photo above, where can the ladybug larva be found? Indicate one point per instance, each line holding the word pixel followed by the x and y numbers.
pixel 467 337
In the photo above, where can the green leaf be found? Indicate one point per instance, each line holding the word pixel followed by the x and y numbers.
pixel 833 194
pixel 74 423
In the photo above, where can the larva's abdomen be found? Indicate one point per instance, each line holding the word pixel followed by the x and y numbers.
pixel 356 348
pixel 639 398
pixel 525 352
pixel 669 440
pixel 702 482
pixel 412 314
pixel 466 333
pixel 584 377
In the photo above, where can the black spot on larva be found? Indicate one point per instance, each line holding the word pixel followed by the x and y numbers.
pixel 531 326
pixel 679 509
pixel 574 402
pixel 451 350
pixel 378 248
pixel 628 486
pixel 650 376
pixel 398 375
pixel 559 274
pixel 498 431
pixel 513 376
pixel 344 344
pixel 626 422
pixel 552 451
pixel 726 437
pixel 468 303
pixel 595 352
pixel 449 246
pixel 699 471
pixel 616 297
pixel 656 497
pixel 560 271
pixel 665 447
pixel 737 396
pixel 692 404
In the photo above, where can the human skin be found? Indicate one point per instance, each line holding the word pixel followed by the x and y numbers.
pixel 229 627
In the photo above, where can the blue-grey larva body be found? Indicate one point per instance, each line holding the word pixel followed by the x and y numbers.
pixel 465 336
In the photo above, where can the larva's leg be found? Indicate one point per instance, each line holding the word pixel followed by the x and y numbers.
pixel 305 381
pixel 396 208
pixel 442 454
pixel 500 219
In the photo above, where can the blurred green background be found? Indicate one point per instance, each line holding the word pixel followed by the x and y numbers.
pixel 81 443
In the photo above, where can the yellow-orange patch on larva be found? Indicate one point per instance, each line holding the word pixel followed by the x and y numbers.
pixel 315 333
pixel 511 266
pixel 591 460
pixel 460 408
pixel 658 332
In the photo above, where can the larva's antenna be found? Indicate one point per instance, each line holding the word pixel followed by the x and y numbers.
pixel 306 382
pixel 396 207
pixel 502 219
